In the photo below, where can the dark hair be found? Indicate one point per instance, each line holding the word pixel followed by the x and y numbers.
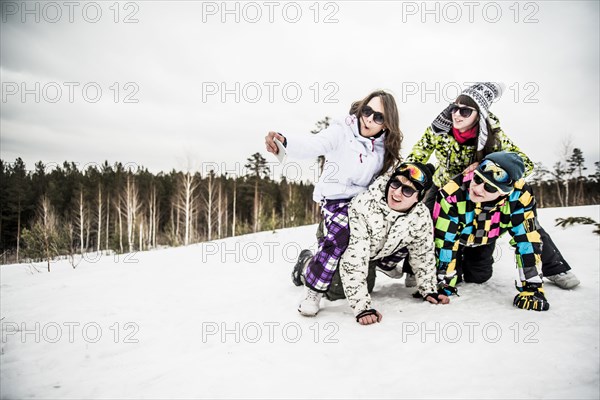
pixel 391 123
pixel 491 144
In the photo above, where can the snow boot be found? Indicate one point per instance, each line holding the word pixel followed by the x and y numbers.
pixel 309 307
pixel 298 271
pixel 564 280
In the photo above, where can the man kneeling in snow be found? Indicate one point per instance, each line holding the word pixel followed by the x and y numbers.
pixel 388 222
pixel 475 209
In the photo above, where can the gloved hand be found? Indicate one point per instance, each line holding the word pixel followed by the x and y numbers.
pixel 447 284
pixel 368 317
pixel 446 289
pixel 531 297
pixel 437 298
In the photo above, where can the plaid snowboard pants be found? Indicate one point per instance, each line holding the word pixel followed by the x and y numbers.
pixel 336 236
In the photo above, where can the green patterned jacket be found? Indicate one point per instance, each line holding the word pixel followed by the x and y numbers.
pixel 453 157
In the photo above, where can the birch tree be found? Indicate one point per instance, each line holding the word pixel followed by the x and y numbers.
pixel 99 215
pixel 45 239
pixel 130 207
pixel 257 168
pixel 234 218
pixel 153 215
pixel 209 198
pixel 80 219
pixel 185 203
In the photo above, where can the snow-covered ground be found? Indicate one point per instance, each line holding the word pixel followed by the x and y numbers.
pixel 219 320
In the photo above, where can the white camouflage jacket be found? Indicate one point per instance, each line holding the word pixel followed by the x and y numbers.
pixel 377 231
pixel 352 161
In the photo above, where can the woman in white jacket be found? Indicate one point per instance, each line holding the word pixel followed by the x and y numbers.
pixel 389 223
pixel 357 148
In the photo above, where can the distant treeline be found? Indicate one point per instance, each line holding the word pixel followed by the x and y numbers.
pixel 45 214
pixel 565 184
pixel 65 211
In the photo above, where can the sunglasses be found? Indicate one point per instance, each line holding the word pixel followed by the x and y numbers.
pixel 407 191
pixel 414 172
pixel 464 112
pixel 377 116
pixel 486 186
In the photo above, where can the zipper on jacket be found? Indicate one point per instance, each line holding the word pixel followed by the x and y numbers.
pixel 372 149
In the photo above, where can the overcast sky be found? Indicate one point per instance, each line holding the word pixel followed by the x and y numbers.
pixel 178 84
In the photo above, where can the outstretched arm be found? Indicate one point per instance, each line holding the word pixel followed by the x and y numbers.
pixel 307 146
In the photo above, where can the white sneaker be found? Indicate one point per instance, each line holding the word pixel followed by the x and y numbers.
pixel 394 274
pixel 564 280
pixel 410 281
pixel 309 307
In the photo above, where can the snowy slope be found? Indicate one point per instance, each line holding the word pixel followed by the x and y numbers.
pixel 219 320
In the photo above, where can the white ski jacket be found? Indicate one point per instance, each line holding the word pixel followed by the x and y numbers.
pixel 351 160
pixel 377 231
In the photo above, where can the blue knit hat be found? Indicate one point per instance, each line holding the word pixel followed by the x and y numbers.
pixel 502 169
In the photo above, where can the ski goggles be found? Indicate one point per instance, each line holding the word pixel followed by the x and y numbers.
pixel 464 112
pixel 494 170
pixel 407 191
pixel 378 117
pixel 414 173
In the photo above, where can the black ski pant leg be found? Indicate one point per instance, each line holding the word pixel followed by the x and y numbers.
pixel 429 201
pixel 477 263
pixel 552 260
pixel 336 289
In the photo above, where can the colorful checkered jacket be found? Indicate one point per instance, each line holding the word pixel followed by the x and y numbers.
pixel 453 157
pixel 460 222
